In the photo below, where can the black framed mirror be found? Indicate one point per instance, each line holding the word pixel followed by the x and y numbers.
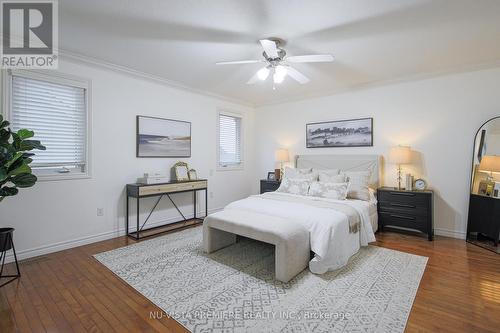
pixel 483 224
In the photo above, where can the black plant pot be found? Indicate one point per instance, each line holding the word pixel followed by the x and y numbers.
pixel 6 239
pixel 7 243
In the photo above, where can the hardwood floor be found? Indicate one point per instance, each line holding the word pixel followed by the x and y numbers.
pixel 69 291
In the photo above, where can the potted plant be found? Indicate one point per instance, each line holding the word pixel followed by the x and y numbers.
pixel 15 172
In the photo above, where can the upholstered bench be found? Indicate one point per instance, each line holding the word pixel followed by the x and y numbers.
pixel 291 240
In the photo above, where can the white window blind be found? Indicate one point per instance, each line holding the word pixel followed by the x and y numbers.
pixel 57 114
pixel 230 154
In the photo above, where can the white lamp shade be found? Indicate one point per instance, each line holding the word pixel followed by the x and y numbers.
pixel 490 163
pixel 400 155
pixel 281 155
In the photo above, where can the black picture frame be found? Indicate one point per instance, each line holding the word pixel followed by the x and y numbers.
pixel 138 139
pixel 309 144
pixel 271 176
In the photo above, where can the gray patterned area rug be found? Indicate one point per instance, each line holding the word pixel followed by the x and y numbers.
pixel 234 290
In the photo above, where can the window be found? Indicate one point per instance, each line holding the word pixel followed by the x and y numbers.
pixel 55 108
pixel 229 142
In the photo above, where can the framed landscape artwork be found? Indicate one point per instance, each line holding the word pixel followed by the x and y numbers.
pixel 341 133
pixel 159 137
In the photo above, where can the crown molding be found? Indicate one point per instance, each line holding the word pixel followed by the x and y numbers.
pixel 76 57
pixel 381 83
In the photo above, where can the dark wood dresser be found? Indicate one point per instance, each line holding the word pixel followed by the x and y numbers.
pixel 484 217
pixel 407 209
pixel 269 185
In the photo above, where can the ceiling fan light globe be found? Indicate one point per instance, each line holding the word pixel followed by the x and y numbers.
pixel 263 73
pixel 278 78
pixel 281 71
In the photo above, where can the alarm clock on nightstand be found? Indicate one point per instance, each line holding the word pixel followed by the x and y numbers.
pixel 420 184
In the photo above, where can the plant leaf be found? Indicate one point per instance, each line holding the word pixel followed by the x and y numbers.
pixel 24 180
pixel 13 159
pixel 25 134
pixel 23 168
pixel 8 191
pixel 3 174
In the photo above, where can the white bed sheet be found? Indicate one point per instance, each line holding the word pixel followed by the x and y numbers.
pixel 330 239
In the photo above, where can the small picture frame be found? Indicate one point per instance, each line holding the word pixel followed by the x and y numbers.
pixel 193 175
pixel 181 171
pixel 271 176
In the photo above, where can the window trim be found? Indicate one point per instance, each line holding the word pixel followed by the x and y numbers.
pixel 57 78
pixel 241 165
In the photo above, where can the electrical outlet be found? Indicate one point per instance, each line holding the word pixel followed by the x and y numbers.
pixel 211 172
pixel 211 195
pixel 100 211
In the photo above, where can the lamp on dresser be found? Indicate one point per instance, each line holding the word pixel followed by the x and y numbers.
pixel 400 155
pixel 281 156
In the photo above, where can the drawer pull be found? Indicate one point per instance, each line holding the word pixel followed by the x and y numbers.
pixel 403 217
pixel 403 193
pixel 402 205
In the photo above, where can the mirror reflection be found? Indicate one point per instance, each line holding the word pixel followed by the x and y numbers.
pixel 486 164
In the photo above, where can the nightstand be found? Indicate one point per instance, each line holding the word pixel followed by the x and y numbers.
pixel 407 209
pixel 269 185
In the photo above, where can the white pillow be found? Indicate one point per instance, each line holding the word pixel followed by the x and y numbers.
pixel 296 173
pixel 294 186
pixel 336 191
pixel 358 185
pixel 292 173
pixel 329 178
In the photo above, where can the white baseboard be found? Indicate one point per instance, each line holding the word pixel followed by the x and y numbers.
pixel 59 246
pixel 449 233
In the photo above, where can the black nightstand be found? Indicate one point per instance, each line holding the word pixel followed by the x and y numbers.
pixel 269 185
pixel 408 209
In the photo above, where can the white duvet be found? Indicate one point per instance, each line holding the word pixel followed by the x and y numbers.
pixel 330 239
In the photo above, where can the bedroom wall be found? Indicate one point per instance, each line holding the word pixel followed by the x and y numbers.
pixel 55 215
pixel 437 117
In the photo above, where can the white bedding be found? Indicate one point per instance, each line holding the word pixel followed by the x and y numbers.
pixel 330 239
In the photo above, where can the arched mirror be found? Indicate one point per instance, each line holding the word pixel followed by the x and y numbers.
pixel 483 226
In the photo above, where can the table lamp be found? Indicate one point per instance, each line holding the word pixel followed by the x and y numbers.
pixel 400 155
pixel 281 156
pixel 490 163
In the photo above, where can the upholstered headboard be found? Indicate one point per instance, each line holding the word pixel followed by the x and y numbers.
pixel 343 162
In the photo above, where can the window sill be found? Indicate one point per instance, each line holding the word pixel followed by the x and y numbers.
pixel 64 176
pixel 230 168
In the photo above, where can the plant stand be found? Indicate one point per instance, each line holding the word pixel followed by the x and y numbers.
pixel 7 243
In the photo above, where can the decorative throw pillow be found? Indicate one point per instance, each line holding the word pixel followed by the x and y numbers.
pixel 294 186
pixel 292 173
pixel 296 173
pixel 336 191
pixel 329 178
pixel 358 185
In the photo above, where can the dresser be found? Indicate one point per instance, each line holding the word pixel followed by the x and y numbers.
pixel 158 191
pixel 407 209
pixel 484 217
pixel 269 185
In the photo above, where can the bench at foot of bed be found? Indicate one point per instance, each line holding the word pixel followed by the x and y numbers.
pixel 291 240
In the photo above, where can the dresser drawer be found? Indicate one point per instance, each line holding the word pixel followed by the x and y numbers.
pixel 174 187
pixel 404 220
pixel 410 199
pixel 405 208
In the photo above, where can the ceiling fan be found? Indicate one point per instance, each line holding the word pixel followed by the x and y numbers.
pixel 278 64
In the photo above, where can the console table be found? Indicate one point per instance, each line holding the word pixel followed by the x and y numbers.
pixel 139 191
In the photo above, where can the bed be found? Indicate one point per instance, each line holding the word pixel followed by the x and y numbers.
pixel 332 230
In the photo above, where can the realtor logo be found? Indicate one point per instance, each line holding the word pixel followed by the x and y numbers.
pixel 29 34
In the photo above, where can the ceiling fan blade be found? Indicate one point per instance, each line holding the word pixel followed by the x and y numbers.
pixel 296 75
pixel 311 58
pixel 238 62
pixel 270 48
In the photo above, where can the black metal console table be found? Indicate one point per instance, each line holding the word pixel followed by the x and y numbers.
pixel 139 191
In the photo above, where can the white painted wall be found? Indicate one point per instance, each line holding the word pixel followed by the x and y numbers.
pixel 57 214
pixel 437 117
